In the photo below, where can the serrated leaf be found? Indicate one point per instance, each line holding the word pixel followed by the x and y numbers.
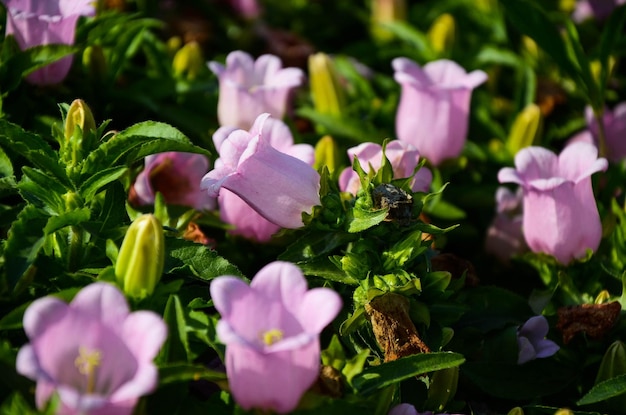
pixel 190 258
pixel 42 190
pixel 95 183
pixel 313 245
pixel 71 218
pixel 388 373
pixel 365 219
pixel 604 390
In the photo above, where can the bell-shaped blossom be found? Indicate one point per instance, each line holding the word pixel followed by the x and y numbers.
pixel 249 88
pixel 614 122
pixel 433 113
pixel 234 210
pixel 403 157
pixel 560 213
pixel 94 353
pixel 46 22
pixel 279 186
pixel 532 342
pixel 600 9
pixel 505 237
pixel 271 330
pixel 177 177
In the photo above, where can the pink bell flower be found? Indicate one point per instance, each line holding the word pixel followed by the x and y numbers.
pixel 532 342
pixel 505 237
pixel 403 157
pixel 234 210
pixel 177 176
pixel 276 185
pixel 249 88
pixel 614 122
pixel 46 22
pixel 433 113
pixel 94 353
pixel 600 9
pixel 560 213
pixel 250 9
pixel 271 331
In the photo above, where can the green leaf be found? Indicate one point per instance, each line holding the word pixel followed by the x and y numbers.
pixel 187 257
pixel 71 218
pixel 604 390
pixel 355 130
pixel 186 372
pixel 95 183
pixel 42 190
pixel 176 348
pixel 378 377
pixel 609 40
pixel 414 37
pixel 365 219
pixel 25 62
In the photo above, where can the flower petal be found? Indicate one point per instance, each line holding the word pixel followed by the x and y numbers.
pixel 319 307
pixel 102 301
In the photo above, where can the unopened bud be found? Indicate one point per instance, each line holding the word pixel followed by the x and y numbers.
pixel 328 95
pixel 524 129
pixel 95 62
pixel 442 33
pixel 386 11
pixel 613 364
pixel 78 138
pixel 141 258
pixel 516 411
pixel 188 61
pixel 79 115
pixel 327 154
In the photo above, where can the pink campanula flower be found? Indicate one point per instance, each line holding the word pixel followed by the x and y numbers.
pixel 93 352
pixel 271 330
pixel 532 342
pixel 249 88
pixel 614 131
pixel 277 185
pixel 177 176
pixel 46 22
pixel 505 237
pixel 236 211
pixel 560 213
pixel 402 156
pixel 600 9
pixel 433 113
pixel 250 9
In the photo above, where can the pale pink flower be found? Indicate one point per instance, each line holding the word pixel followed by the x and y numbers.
pixel 600 9
pixel 614 122
pixel 560 213
pixel 93 352
pixel 403 157
pixel 433 113
pixel 504 235
pixel 280 187
pixel 271 330
pixel 177 176
pixel 249 88
pixel 234 210
pixel 250 9
pixel 46 22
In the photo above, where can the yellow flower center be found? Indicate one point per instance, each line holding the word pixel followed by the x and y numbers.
pixel 272 336
pixel 86 362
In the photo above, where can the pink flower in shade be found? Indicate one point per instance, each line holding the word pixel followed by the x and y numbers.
pixel 271 330
pixel 532 342
pixel 614 131
pixel 560 213
pixel 249 88
pixel 250 9
pixel 276 185
pixel 177 176
pixel 433 112
pixel 402 156
pixel 600 9
pixel 46 22
pixel 236 211
pixel 93 352
pixel 504 236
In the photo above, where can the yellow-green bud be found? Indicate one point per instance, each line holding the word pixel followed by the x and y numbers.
pixel 603 297
pixel 140 261
pixel 79 115
pixel 95 62
pixel 613 364
pixel 326 91
pixel 386 11
pixel 442 33
pixel 327 154
pixel 188 61
pixel 564 411
pixel 516 411
pixel 525 129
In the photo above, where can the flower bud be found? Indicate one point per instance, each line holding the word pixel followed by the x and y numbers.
pixel 524 129
pixel 327 154
pixel 516 411
pixel 79 115
pixel 386 11
pixel 188 61
pixel 140 261
pixel 95 62
pixel 328 95
pixel 78 143
pixel 441 33
pixel 613 364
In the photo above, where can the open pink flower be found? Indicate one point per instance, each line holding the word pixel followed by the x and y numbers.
pixel 278 186
pixel 271 330
pixel 433 112
pixel 402 156
pixel 46 22
pixel 614 122
pixel 236 211
pixel 249 88
pixel 600 9
pixel 177 176
pixel 505 237
pixel 560 213
pixel 93 352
